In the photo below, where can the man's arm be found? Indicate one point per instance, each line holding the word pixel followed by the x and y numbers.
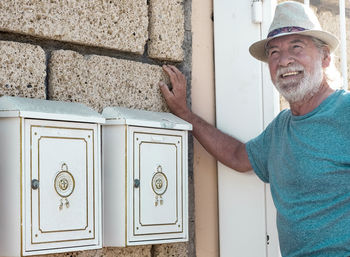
pixel 224 148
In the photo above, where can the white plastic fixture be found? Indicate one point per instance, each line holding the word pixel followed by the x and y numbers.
pixel 50 177
pixel 144 167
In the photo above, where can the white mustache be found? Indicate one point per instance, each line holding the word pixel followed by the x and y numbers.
pixel 291 68
pixel 295 90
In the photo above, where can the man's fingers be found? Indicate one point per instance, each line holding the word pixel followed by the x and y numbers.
pixel 177 79
pixel 173 69
pixel 165 90
pixel 175 97
pixel 176 71
pixel 173 72
pixel 169 70
pixel 172 76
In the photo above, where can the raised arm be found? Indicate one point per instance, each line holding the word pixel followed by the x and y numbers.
pixel 223 147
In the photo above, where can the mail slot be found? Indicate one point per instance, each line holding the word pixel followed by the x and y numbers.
pixel 145 177
pixel 50 177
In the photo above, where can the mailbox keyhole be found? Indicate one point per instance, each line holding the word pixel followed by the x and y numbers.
pixel 35 184
pixel 136 183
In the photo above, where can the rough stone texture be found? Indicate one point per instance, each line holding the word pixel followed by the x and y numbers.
pixel 134 251
pixel 328 15
pixel 116 24
pixel 166 30
pixel 330 22
pixel 170 250
pixel 99 27
pixel 22 70
pixel 90 253
pixel 101 81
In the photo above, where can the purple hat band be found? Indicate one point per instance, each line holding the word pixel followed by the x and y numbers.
pixel 284 30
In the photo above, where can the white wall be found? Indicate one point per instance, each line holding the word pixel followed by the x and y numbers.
pixel 245 103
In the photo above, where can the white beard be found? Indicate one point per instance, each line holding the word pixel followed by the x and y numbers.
pixel 297 90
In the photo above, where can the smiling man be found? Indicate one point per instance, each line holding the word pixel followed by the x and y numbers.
pixel 304 153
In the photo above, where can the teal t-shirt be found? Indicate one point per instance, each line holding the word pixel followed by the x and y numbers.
pixel 306 160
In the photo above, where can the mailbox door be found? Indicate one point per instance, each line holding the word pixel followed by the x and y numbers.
pixel 61 185
pixel 157 186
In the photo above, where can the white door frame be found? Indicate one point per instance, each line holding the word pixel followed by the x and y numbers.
pixel 245 103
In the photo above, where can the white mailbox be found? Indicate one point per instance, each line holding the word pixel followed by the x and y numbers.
pixel 144 167
pixel 50 177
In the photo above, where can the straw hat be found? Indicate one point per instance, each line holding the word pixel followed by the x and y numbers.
pixel 293 18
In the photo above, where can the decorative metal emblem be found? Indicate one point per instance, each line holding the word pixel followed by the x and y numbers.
pixel 64 185
pixel 159 185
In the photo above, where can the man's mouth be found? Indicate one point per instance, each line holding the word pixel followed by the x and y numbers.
pixel 291 73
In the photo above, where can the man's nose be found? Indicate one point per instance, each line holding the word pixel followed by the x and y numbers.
pixel 285 58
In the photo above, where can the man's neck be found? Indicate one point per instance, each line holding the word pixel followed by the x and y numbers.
pixel 308 104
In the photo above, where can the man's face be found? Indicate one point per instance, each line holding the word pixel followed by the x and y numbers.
pixel 296 66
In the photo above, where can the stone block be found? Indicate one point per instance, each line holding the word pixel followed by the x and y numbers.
pixel 166 30
pixel 114 24
pixel 166 250
pixel 22 70
pixel 101 81
pixel 330 22
pixel 89 253
pixel 135 251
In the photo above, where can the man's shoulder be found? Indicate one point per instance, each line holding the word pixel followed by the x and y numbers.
pixel 345 94
pixel 280 121
pixel 343 98
pixel 282 116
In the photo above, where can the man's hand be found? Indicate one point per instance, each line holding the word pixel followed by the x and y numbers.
pixel 224 148
pixel 176 96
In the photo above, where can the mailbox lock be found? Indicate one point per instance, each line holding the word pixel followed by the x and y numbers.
pixel 35 184
pixel 136 183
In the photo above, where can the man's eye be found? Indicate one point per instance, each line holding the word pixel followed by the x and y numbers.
pixel 296 46
pixel 273 52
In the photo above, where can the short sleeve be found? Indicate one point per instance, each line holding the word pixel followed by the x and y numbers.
pixel 258 150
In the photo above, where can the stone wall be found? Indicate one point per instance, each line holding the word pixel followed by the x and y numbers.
pixel 328 14
pixel 101 53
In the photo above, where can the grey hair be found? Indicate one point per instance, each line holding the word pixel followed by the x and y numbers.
pixel 319 43
pixel 331 73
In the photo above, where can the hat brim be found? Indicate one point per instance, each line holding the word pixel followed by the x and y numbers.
pixel 257 50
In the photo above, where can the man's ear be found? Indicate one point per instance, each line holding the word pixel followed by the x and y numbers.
pixel 326 59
